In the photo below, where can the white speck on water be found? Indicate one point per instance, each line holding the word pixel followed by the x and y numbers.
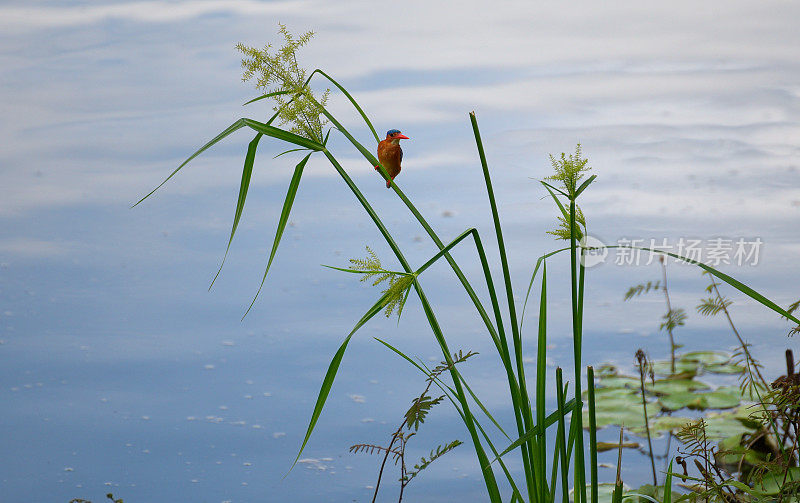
pixel 315 464
pixel 357 398
pixel 279 434
pixel 69 469
pixel 223 407
pixel 327 459
pixel 247 463
pixel 367 420
pixel 195 481
pixel 257 426
pixel 528 359
pixel 267 393
pixel 146 418
pixel 244 483
pixel 104 399
pixel 146 451
pixel 209 367
pixel 433 358
pixel 249 381
pixel 373 381
pixel 248 397
pixel 15 388
pixel 228 343
pixel 549 362
pixel 238 423
pixel 626 330
pixel 191 418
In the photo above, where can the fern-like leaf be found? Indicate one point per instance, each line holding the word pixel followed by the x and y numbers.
pixel 673 319
pixel 440 451
pixel 637 290
pixel 562 232
pixel 372 449
pixel 444 366
pixel 400 283
pixel 420 407
pixel 713 305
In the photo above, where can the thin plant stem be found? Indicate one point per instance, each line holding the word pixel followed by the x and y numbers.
pixel 669 311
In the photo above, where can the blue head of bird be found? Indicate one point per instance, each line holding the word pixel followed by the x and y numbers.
pixel 395 135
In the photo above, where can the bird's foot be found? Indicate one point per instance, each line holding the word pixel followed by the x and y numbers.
pixel 377 168
pixel 389 184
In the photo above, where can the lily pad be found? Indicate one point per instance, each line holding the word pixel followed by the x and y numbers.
pixel 613 446
pixel 670 386
pixel 601 394
pixel 621 412
pixel 772 482
pixel 669 423
pixel 724 368
pixel 731 452
pixel 618 381
pixel 706 357
pixel 724 425
pixel 682 399
pixel 606 369
pixel 604 492
pixel 725 397
pixel 664 367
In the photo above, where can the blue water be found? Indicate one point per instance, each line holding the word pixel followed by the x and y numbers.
pixel 123 374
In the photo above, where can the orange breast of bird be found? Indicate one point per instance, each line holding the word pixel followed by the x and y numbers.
pixel 390 155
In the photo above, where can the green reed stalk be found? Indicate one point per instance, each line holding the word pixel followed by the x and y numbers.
pixel 592 435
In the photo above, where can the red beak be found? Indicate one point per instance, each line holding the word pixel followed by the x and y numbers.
pixel 401 136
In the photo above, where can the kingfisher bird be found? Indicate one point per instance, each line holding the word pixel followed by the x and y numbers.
pixel 390 154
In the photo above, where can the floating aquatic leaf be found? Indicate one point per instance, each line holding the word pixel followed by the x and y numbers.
pixel 705 357
pixel 669 423
pixel 687 368
pixel 602 394
pixel 622 411
pixel 772 482
pixel 724 368
pixel 722 425
pixel 609 446
pixel 682 399
pixel 618 381
pixel 604 492
pixel 725 397
pixel 670 386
